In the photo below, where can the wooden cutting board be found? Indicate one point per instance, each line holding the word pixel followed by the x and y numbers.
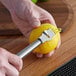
pixel 33 66
pixel 61 11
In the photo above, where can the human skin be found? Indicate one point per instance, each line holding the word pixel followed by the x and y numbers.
pixel 26 15
pixel 10 64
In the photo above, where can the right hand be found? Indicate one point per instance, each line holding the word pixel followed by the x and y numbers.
pixel 10 64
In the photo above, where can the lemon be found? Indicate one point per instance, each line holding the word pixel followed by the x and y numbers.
pixel 47 46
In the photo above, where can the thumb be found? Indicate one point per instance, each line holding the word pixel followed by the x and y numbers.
pixel 35 22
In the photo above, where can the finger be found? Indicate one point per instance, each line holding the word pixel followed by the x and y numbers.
pixel 11 71
pixel 45 21
pixel 49 54
pixel 35 22
pixel 48 21
pixel 44 15
pixel 47 18
pixel 58 45
pixel 15 61
pixel 39 55
pixel 51 19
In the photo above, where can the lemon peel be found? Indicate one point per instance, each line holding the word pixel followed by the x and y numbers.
pixel 47 46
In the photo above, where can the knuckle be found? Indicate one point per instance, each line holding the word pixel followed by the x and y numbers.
pixel 17 73
pixel 2 65
pixel 20 63
pixel 2 51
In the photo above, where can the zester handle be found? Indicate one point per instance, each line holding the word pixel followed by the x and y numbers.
pixel 28 49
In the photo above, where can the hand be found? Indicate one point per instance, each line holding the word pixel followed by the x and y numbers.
pixel 29 16
pixel 26 15
pixel 10 64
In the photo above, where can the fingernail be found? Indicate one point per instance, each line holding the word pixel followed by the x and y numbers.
pixel 39 55
pixel 49 54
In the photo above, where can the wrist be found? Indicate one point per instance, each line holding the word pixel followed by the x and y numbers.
pixel 22 8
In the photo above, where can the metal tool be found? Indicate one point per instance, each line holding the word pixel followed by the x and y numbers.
pixel 46 36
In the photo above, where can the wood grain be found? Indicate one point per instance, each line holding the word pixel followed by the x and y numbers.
pixel 41 67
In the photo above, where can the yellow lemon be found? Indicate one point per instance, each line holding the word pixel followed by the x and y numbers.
pixel 47 46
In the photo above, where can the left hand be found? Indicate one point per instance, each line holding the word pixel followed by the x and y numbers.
pixel 29 16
